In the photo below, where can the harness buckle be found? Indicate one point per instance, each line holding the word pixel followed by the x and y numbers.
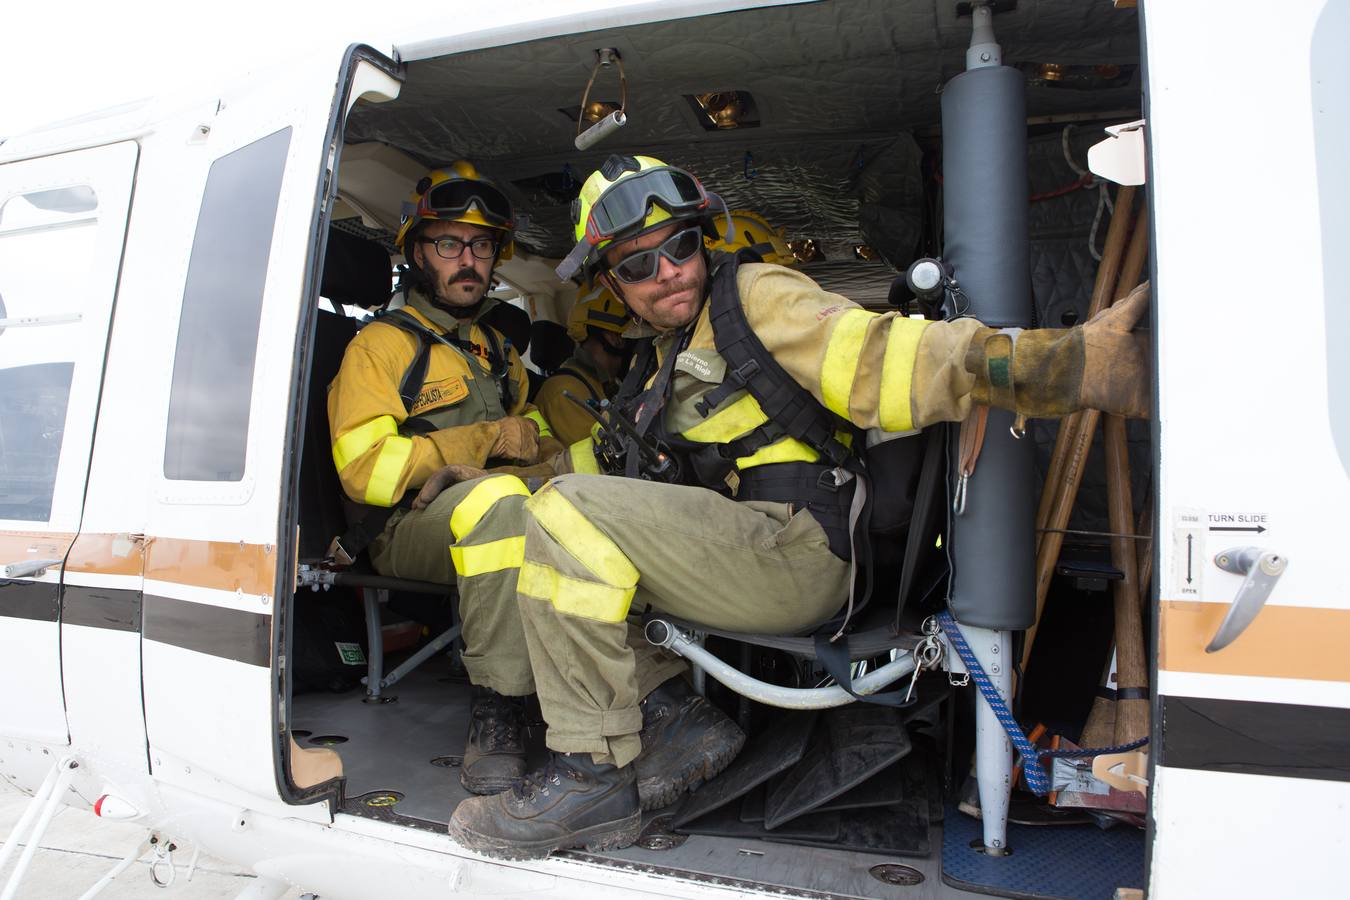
pixel 745 372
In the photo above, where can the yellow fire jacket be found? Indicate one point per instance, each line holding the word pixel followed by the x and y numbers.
pixel 376 460
pixel 578 376
pixel 875 370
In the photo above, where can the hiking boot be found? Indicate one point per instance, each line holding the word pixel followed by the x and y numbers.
pixel 494 753
pixel 571 802
pixel 685 742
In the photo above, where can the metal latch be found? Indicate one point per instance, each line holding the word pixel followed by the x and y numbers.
pixel 29 568
pixel 1262 569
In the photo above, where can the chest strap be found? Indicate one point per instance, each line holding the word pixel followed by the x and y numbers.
pixel 415 376
pixel 750 367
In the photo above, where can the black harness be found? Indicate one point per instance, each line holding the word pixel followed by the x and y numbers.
pixel 414 377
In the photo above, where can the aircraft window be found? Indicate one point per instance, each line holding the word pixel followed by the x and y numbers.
pixel 222 306
pixel 32 420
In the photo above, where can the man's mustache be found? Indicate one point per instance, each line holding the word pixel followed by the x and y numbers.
pixel 676 288
pixel 467 275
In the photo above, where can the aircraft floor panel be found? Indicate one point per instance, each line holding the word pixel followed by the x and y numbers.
pixel 389 747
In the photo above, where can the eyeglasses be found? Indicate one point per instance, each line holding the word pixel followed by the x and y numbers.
pixel 453 248
pixel 453 198
pixel 642 266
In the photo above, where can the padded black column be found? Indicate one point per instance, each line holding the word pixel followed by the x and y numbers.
pixel 984 150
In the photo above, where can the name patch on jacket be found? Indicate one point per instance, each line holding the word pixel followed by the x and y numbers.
pixel 440 393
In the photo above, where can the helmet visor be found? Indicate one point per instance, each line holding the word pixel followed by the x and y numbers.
pixel 453 198
pixel 626 203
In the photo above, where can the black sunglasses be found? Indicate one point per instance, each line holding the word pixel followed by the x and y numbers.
pixel 642 266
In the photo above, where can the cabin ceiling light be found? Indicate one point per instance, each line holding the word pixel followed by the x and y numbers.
pixel 805 250
pixel 864 252
pixel 724 110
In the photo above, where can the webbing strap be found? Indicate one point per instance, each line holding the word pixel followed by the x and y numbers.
pixel 833 656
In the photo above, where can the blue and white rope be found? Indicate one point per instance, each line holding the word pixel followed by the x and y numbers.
pixel 1031 763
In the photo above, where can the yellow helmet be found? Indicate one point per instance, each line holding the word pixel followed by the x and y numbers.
pixel 627 196
pixel 598 309
pixel 750 231
pixel 458 193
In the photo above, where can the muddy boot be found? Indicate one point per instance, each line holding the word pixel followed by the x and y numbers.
pixel 494 754
pixel 571 802
pixel 685 741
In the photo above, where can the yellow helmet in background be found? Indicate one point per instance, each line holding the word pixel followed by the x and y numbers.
pixel 627 196
pixel 458 193
pixel 751 231
pixel 598 309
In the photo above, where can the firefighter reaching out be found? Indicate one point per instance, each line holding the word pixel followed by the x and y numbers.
pixel 760 382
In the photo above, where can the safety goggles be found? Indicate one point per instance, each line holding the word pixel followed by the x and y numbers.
pixel 643 265
pixel 625 205
pixel 453 198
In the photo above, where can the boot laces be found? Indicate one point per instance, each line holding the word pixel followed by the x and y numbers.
pixel 537 783
pixel 498 726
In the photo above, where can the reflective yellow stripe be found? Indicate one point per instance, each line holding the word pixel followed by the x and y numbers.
pixel 478 501
pixel 538 419
pixel 897 373
pixel 479 559
pixel 582 455
pixel 573 596
pixel 786 450
pixel 383 485
pixel 841 359
pixel 727 424
pixel 566 525
pixel 360 439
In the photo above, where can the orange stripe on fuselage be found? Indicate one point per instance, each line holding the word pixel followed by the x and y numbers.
pixel 250 568
pixel 1281 642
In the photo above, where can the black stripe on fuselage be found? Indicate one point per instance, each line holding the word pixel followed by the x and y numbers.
pixel 1241 736
pixel 34 600
pixel 228 633
pixel 97 607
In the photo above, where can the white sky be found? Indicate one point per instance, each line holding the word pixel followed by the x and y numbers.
pixel 63 58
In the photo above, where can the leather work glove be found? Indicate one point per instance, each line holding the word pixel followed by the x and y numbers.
pixel 1051 372
pixel 1116 362
pixel 517 439
pixel 442 479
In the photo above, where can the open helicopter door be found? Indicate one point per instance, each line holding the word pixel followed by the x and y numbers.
pixel 1251 200
pixel 216 419
pixel 62 222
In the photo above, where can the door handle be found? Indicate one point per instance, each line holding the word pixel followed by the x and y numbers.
pixel 29 568
pixel 1261 568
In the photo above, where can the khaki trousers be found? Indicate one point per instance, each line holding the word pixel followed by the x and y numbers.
pixel 472 535
pixel 596 545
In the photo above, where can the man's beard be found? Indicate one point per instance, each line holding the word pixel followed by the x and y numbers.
pixel 684 284
pixel 448 296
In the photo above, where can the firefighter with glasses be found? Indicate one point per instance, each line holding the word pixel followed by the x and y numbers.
pixel 430 388
pixel 759 386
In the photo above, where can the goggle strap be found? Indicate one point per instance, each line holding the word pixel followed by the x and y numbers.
pixel 574 260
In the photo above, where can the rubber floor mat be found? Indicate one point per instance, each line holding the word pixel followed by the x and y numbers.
pixel 817 829
pixel 898 829
pixel 851 744
pixel 771 751
pixel 1075 862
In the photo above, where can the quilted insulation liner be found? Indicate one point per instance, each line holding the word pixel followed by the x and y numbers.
pixel 840 87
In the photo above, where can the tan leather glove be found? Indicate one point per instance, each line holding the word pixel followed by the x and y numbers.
pixel 1115 361
pixel 517 439
pixel 442 479
pixel 1051 372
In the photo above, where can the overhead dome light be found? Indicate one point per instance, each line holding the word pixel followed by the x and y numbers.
pixel 805 250
pixel 724 110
